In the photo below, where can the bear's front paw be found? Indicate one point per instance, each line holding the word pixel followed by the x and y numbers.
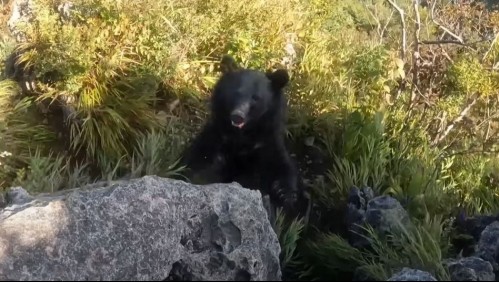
pixel 285 192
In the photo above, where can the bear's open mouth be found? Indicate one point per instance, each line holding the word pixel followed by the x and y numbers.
pixel 238 125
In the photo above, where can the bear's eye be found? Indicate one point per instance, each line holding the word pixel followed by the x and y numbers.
pixel 255 98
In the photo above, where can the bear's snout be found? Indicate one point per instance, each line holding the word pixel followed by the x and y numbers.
pixel 238 119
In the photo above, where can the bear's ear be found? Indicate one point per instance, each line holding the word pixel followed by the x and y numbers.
pixel 278 78
pixel 228 64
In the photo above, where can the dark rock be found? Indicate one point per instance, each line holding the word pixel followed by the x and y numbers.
pixel 475 225
pixel 470 269
pixel 18 196
pixel 469 230
pixel 360 197
pixel 355 214
pixel 360 274
pixel 408 274
pixel 488 245
pixel 384 213
pixel 144 229
pixel 3 202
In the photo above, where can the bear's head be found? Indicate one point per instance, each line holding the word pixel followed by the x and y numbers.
pixel 243 96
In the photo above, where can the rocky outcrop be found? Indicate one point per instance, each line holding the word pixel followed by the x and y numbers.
pixel 488 245
pixel 384 213
pixel 409 274
pixel 145 229
pixel 470 269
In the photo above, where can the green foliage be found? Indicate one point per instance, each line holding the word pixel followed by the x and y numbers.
pixel 289 233
pixel 20 131
pixel 468 76
pixel 134 76
pixel 474 183
pixel 50 174
pixel 104 67
pixel 360 157
pixel 422 245
pixel 157 153
pixel 388 157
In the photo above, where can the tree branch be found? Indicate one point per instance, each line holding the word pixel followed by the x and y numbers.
pixel 434 42
pixel 415 55
pixel 384 28
pixel 404 33
pixel 441 135
pixel 490 47
pixel 432 13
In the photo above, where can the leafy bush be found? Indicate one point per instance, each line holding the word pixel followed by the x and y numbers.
pixel 422 246
pixel 131 79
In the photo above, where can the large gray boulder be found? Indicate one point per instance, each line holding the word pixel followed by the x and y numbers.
pixel 144 229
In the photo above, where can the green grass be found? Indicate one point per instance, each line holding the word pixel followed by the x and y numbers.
pixel 137 95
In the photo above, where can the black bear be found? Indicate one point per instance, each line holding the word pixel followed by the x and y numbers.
pixel 245 136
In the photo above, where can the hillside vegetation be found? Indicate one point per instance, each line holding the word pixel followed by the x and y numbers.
pixel 399 97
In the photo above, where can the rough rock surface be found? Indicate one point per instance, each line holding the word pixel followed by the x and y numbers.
pixel 18 196
pixel 470 269
pixel 409 274
pixel 22 12
pixel 383 213
pixel 488 245
pixel 355 215
pixel 150 228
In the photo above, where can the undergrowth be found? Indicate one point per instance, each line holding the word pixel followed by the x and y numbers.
pixel 119 88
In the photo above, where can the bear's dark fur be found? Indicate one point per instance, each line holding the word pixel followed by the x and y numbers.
pixel 245 136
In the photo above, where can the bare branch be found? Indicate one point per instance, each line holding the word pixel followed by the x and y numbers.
pixel 490 47
pixel 386 25
pixel 404 32
pixel 378 23
pixel 432 13
pixel 434 42
pixel 446 55
pixel 415 55
pixel 441 135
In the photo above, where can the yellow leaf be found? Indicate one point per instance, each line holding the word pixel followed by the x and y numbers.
pixel 400 63
pixel 401 73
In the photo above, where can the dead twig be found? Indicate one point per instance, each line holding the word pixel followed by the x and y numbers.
pixel 441 135
pixel 415 55
pixel 385 27
pixel 432 14
pixel 439 42
pixel 490 47
pixel 404 32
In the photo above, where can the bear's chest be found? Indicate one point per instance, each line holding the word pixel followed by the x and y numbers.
pixel 242 145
